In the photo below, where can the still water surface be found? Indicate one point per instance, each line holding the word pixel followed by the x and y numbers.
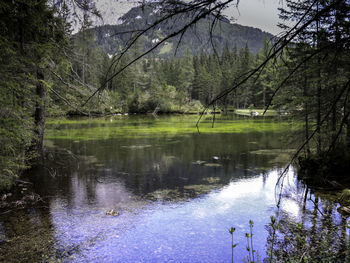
pixel 145 189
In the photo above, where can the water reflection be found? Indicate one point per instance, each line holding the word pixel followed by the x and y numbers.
pixel 187 231
pixel 176 195
pixel 308 229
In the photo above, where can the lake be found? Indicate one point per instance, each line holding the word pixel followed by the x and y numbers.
pixel 146 189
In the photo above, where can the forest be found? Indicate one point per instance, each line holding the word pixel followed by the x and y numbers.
pixel 49 72
pixel 46 72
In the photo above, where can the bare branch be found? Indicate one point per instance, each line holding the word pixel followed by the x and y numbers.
pixel 203 14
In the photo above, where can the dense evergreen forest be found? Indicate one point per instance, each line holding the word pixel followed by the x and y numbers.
pixel 47 71
pixel 178 84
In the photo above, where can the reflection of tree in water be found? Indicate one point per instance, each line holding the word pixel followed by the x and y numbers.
pixel 182 166
pixel 319 235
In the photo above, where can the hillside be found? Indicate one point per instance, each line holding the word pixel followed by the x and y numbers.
pixel 196 39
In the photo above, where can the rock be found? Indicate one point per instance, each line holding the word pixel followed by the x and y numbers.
pixel 199 162
pixel 216 158
pixel 112 212
pixel 344 210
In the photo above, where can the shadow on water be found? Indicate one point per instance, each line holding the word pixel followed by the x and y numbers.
pixel 168 196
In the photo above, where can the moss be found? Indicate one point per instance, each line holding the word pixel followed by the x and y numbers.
pixel 273 151
pixel 164 194
pixel 178 194
pixel 137 146
pixel 212 165
pixel 212 180
pixel 281 156
pixel 200 188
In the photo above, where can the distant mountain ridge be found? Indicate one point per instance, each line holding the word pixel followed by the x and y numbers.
pixel 111 39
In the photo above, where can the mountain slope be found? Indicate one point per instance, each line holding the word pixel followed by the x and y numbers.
pixel 196 39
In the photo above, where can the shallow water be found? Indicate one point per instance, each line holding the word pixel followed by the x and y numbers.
pixel 174 192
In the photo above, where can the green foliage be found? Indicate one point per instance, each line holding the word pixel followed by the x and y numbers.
pixel 263 87
pixel 231 231
pixel 316 87
pixel 29 37
pixel 252 254
pixel 143 87
pixel 315 238
pixel 317 73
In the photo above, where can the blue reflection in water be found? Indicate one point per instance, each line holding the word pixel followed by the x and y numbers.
pixel 191 231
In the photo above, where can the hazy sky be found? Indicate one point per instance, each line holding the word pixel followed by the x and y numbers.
pixel 262 14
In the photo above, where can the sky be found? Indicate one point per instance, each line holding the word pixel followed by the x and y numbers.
pixel 262 14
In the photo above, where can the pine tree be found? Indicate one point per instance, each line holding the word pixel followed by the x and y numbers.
pixel 263 86
pixel 29 38
pixel 244 66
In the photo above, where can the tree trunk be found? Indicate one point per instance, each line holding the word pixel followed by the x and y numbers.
pixel 346 110
pixel 335 73
pixel 319 140
pixel 40 111
pixel 306 105
pixel 83 69
pixel 318 117
pixel 264 97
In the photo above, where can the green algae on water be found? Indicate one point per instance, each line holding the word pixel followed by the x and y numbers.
pixel 148 127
